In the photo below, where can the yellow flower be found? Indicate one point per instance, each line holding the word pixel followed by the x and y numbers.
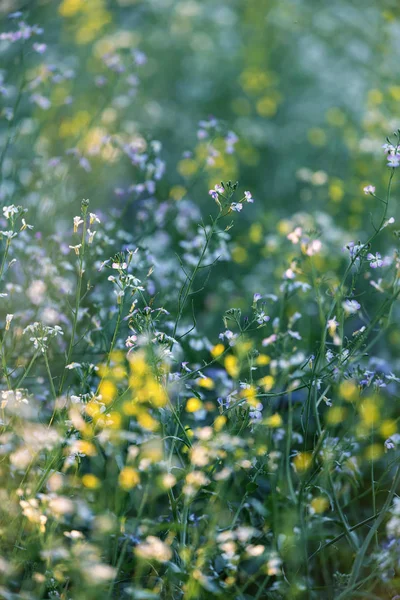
pixel 262 360
pixel 219 422
pixel 193 405
pixel 206 382
pixel 273 421
pixel 108 391
pixel 130 408
pixel 335 415
pixel 93 409
pixel 128 478
pixel 85 447
pixel 217 350
pixel 147 422
pixel 369 411
pixel 154 392
pixel 231 365
pixel 388 428
pixel 349 390
pixel 187 167
pixel 255 233
pixel 319 504
pixel 177 192
pixel 91 481
pixel 138 363
pixel 302 461
pixel 374 452
pixel 114 420
pixel 239 254
pixel 69 8
pixel 267 382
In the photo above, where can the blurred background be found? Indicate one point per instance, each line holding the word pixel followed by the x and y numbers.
pixel 305 92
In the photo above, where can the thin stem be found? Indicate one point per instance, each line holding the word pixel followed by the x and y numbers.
pixel 53 390
pixel 77 298
pixel 26 373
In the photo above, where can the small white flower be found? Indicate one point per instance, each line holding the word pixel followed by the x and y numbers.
pixel 314 247
pixel 295 235
pixel 25 225
pixel 388 222
pixel 9 318
pixel 73 365
pixel 8 211
pixel 351 306
pixel 77 222
pixel 91 235
pixel 93 218
pixel 375 260
pixel 76 248
pixel 8 234
pixel 369 189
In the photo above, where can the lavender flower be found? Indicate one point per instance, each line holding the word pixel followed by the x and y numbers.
pixel 375 260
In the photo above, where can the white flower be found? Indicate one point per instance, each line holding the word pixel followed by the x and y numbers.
pixel 93 218
pixel 9 318
pixel 313 248
pixel 36 291
pixel 375 260
pixel 8 211
pixel 25 225
pixel 269 340
pixel 154 549
pixel 77 222
pixel 295 235
pixel 289 274
pixel 91 235
pixel 8 234
pixel 351 306
pixel 369 189
pixel 388 222
pixel 332 325
pixel 74 365
pixel 76 248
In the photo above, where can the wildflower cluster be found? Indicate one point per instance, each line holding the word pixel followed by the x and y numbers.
pixel 168 430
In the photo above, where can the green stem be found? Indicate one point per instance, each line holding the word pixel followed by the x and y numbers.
pixel 77 298
pixel 22 379
pixel 371 534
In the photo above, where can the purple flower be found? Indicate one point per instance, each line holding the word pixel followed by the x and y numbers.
pixel 85 164
pixel 236 206
pixel 100 80
pixel 230 141
pixel 351 306
pixel 139 57
pixel 255 413
pixel 269 340
pixel 256 297
pixel 375 260
pixel 218 189
pixel 393 160
pixel 248 197
pixel 39 48
pixel 262 318
pixel 41 101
